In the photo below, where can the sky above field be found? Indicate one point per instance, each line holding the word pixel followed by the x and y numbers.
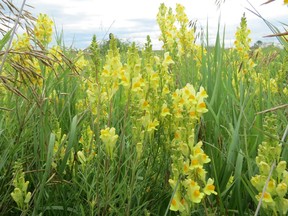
pixel 133 20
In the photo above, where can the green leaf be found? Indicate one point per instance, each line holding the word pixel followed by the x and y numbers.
pixel 5 39
pixel 71 141
pixel 47 171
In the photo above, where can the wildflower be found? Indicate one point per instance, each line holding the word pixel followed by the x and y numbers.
pixel 167 60
pixel 267 198
pixel 20 194
pixel 152 125
pixel 185 166
pixel 271 187
pixel 193 191
pixel 283 205
pixel 201 173
pixel 268 151
pixel 285 90
pixel 190 93
pixel 43 29
pixel 176 204
pixel 144 104
pixel 281 167
pixel 109 138
pixel 195 162
pixel 81 62
pixel 124 78
pixel 22 43
pixel 264 168
pixel 197 148
pixel 202 93
pixel 137 84
pixel 81 157
pixel 165 110
pixel 201 107
pixel 209 188
pixel 281 189
pixel 184 148
pixel 258 181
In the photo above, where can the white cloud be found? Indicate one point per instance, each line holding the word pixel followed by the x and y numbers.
pixel 134 19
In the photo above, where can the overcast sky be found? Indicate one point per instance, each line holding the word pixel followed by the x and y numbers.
pixel 133 20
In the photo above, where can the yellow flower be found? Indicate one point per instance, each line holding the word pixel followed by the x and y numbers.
pixel 258 181
pixel 281 166
pixel 185 166
pixel 281 189
pixel 285 91
pixel 81 157
pixel 109 138
pixel 195 162
pixel 201 173
pixel 271 187
pixel 273 85
pixel 197 148
pixel 124 78
pixel 165 110
pixel 167 60
pixel 193 191
pixel 17 196
pixel 137 84
pixel 152 125
pixel 81 62
pixel 264 168
pixel 184 148
pixel 204 158
pixel 201 107
pixel 144 104
pixel 176 204
pixel 267 198
pixel 43 29
pixel 202 93
pixel 283 204
pixel 209 187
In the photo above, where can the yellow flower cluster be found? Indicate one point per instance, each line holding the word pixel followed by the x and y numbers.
pixel 30 65
pixel 188 158
pixel 186 101
pixel 111 70
pixel 87 141
pixel 266 85
pixel 20 194
pixel 109 138
pixel 242 46
pixel 81 63
pixel 178 39
pixel 269 152
pixel 22 43
pixel 43 29
pixel 152 102
pixel 23 52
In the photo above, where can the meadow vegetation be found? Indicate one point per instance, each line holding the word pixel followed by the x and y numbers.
pixel 192 129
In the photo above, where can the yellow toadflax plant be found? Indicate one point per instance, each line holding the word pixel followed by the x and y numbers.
pixel 24 58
